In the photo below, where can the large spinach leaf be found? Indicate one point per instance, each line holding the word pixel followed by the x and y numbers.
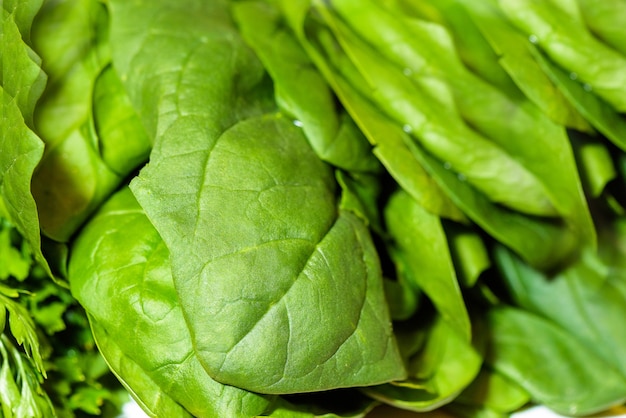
pixel 270 274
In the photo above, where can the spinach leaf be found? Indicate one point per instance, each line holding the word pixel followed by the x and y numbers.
pixel 563 35
pixel 22 149
pixel 604 117
pixel 494 391
pixel 551 364
pixel 587 299
pixel 428 52
pixel 249 213
pixel 515 57
pixel 420 236
pixel 120 254
pixel 446 364
pixel 544 243
pixel 468 251
pixel 89 151
pixel 142 388
pixel 387 137
pixel 491 169
pixel 606 20
pixel 301 91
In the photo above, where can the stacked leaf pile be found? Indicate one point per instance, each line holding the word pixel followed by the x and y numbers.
pixel 299 208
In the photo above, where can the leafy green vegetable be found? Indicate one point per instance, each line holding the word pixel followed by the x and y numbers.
pixel 84 117
pixel 21 148
pixel 526 349
pixel 277 223
pixel 420 237
pixel 139 279
pixel 307 208
pixel 563 35
pixel 437 373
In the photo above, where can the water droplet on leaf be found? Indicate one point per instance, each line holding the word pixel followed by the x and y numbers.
pixel 447 165
pixel 533 39
pixel 407 129
pixel 573 76
pixel 298 123
pixel 587 87
pixel 407 72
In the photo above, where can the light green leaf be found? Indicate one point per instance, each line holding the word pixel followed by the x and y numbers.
pixel 606 19
pixel 23 12
pixel 145 391
pixel 12 262
pixel 542 243
pixel 468 251
pixel 515 56
pixel 588 299
pixel 566 40
pixel 487 164
pixel 515 130
pixel 80 118
pixel 20 149
pixel 604 117
pixel 387 137
pixel 595 162
pixel 551 364
pixel 122 256
pixel 122 141
pixel 420 236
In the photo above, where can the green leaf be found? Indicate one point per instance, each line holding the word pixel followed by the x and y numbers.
pixel 445 365
pixel 595 162
pixel 492 390
pixel 540 242
pixel 142 388
pixel 604 117
pixel 140 321
pixel 515 56
pixel 23 12
pixel 301 91
pixel 93 137
pixel 22 328
pixel 71 38
pixel 551 364
pixel 588 300
pixel 122 141
pixel 420 236
pixel 387 137
pixel 268 217
pixel 13 263
pixel 468 251
pixel 514 130
pixel 436 125
pixel 20 148
pixel 606 20
pixel 563 36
